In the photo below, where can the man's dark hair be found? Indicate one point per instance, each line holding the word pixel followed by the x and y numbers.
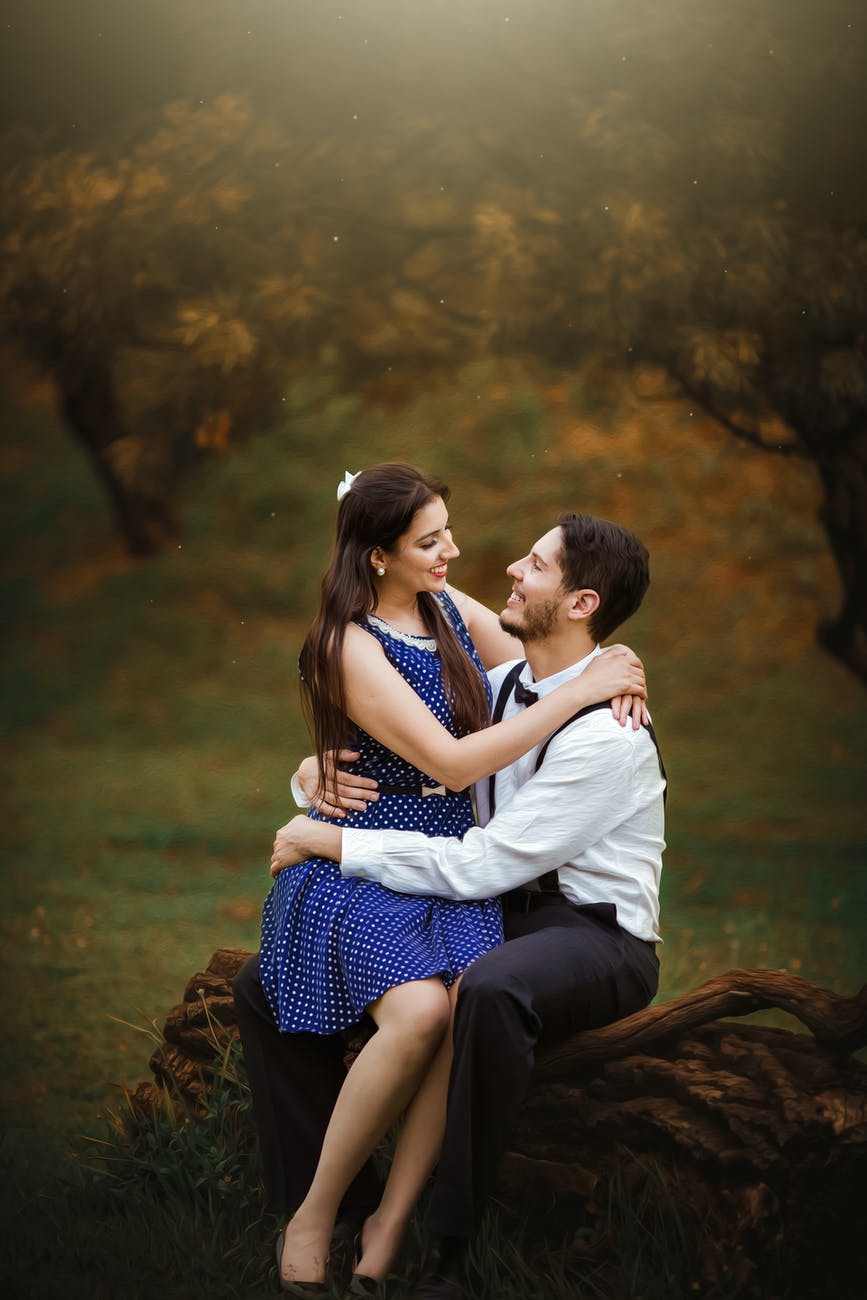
pixel 609 560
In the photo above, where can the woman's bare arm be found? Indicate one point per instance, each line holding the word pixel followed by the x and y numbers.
pixel 381 702
pixel 497 647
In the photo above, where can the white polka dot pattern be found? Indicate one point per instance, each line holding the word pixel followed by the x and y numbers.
pixel 332 946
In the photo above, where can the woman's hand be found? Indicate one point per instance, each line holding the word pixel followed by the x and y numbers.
pixel 337 792
pixel 625 707
pixel 616 672
pixel 291 844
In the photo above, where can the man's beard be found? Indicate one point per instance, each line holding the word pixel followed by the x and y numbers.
pixel 538 622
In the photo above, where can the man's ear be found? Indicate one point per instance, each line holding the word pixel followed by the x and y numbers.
pixel 584 604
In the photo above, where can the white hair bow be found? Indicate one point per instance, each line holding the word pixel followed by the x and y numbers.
pixel 346 484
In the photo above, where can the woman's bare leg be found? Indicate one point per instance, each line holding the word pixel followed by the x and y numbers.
pixel 415 1156
pixel 411 1021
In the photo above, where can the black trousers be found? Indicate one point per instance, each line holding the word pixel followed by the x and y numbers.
pixel 563 968
pixel 295 1079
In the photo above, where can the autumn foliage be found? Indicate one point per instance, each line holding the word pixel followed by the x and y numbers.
pixel 679 187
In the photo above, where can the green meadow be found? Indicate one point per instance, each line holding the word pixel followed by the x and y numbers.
pixel 151 723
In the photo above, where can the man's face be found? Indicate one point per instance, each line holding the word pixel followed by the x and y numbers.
pixel 537 603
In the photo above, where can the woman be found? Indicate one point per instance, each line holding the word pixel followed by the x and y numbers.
pixel 390 666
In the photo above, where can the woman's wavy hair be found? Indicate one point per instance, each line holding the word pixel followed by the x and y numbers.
pixel 375 513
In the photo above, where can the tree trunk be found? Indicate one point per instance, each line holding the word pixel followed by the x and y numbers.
pixel 757 1137
pixel 843 515
pixel 750 1141
pixel 137 497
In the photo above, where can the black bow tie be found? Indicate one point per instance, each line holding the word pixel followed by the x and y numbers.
pixel 523 694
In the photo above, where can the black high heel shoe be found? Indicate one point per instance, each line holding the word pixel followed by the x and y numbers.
pixel 362 1285
pixel 304 1290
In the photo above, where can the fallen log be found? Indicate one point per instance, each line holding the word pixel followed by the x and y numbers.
pixel 757 1135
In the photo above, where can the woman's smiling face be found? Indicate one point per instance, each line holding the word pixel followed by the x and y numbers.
pixel 419 559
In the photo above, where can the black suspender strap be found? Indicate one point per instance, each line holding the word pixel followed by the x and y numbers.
pixel 505 691
pixel 582 713
pixel 549 883
pixel 592 708
pixel 652 734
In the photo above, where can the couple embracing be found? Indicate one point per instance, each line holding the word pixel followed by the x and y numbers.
pixel 393 897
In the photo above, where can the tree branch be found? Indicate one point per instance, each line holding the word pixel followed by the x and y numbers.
pixel 748 435
pixel 838 1024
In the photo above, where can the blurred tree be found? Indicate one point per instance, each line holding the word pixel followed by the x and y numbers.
pixel 142 284
pixel 726 242
pixel 674 184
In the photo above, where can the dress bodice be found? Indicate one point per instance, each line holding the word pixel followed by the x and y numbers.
pixel 418 661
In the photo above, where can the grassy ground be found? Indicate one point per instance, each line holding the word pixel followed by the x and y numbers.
pixel 150 717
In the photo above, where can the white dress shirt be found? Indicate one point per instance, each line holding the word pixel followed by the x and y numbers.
pixel 593 811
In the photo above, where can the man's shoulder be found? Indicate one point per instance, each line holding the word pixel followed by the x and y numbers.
pixel 595 752
pixel 598 731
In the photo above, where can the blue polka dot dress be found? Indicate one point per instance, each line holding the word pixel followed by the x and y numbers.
pixel 331 946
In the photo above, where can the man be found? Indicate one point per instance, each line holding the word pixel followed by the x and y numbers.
pixel 574 846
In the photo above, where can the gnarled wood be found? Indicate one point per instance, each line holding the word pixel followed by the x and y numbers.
pixel 838 1024
pixel 755 1135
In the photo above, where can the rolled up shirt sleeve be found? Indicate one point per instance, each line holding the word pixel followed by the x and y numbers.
pixel 586 786
pixel 298 795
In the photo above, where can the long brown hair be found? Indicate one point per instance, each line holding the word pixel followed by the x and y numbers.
pixel 376 512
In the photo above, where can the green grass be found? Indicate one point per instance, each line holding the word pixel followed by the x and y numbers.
pixel 150 725
pixel 172 1205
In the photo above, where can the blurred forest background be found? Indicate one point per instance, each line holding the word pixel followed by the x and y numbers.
pixel 566 253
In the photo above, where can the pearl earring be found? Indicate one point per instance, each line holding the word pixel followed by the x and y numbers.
pixel 380 571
